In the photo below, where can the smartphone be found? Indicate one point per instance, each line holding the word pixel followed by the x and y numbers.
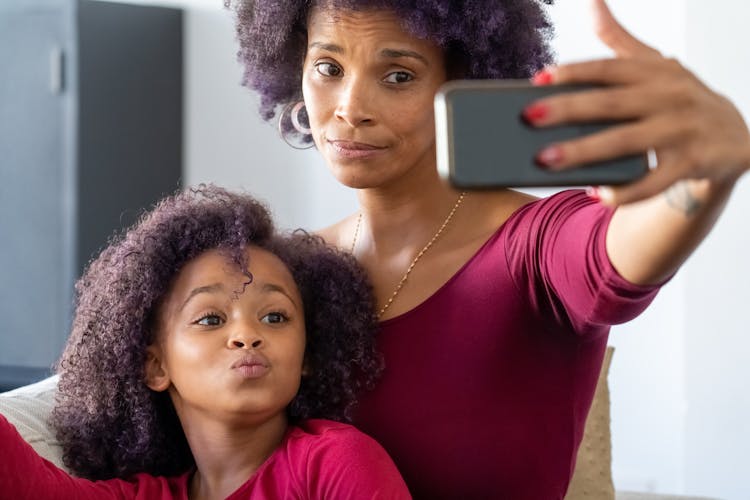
pixel 483 140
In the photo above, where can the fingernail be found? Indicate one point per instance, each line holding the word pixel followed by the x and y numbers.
pixel 551 156
pixel 542 77
pixel 593 193
pixel 535 113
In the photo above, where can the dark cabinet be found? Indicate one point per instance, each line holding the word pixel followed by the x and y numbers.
pixel 90 136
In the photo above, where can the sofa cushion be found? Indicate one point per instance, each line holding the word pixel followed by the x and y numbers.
pixel 28 409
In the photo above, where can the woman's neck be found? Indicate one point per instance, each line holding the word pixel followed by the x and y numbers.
pixel 227 455
pixel 401 216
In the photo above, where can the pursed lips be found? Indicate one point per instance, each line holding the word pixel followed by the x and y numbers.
pixel 344 144
pixel 252 365
pixel 354 149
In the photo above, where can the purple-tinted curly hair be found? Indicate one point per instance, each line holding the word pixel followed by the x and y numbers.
pixel 109 422
pixel 480 39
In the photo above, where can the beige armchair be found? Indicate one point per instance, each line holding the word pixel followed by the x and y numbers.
pixel 592 478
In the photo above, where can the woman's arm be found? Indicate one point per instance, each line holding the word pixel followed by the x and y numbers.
pixel 648 241
pixel 701 141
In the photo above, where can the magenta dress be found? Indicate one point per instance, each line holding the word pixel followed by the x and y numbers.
pixel 488 382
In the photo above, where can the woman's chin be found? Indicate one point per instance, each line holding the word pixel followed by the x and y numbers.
pixel 356 176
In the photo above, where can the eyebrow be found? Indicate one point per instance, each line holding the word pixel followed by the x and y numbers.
pixel 397 53
pixel 330 47
pixel 272 287
pixel 387 53
pixel 219 287
pixel 214 288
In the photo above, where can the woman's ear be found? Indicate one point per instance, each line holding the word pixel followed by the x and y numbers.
pixel 306 370
pixel 157 378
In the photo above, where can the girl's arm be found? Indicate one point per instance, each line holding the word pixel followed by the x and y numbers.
pixel 26 475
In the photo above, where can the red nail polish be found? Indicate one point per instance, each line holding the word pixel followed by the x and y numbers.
pixel 542 77
pixel 593 193
pixel 535 113
pixel 550 157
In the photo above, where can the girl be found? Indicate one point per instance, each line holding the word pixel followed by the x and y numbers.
pixel 210 358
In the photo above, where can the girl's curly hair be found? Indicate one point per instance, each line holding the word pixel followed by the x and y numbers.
pixel 109 422
pixel 480 39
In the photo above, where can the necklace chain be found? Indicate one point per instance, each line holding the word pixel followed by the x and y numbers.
pixel 416 259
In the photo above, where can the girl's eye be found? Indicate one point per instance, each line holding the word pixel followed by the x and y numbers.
pixel 399 77
pixel 274 317
pixel 328 69
pixel 210 320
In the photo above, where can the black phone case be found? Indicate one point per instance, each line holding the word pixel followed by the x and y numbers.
pixel 483 141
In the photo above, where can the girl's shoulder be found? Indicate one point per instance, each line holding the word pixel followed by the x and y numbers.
pixel 320 429
pixel 328 442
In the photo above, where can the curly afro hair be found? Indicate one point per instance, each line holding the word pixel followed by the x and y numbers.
pixel 109 422
pixel 480 39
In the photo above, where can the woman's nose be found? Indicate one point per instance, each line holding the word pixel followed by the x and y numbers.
pixel 355 105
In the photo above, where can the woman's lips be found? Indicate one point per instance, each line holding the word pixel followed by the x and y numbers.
pixel 355 150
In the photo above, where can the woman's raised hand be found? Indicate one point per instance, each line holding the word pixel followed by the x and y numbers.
pixel 696 133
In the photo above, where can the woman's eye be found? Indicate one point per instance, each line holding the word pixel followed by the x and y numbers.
pixel 209 320
pixel 399 77
pixel 274 317
pixel 327 69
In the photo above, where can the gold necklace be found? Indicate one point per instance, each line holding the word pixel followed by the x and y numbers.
pixel 419 255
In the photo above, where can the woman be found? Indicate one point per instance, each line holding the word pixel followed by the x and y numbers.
pixel 206 360
pixel 494 307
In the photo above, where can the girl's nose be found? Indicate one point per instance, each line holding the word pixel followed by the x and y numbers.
pixel 241 344
pixel 244 337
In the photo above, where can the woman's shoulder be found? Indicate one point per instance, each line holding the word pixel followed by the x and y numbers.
pixel 336 234
pixel 486 211
pixel 503 205
pixel 498 206
pixel 482 214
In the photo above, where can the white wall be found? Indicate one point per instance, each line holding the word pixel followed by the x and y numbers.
pixel 678 375
pixel 717 279
pixel 227 142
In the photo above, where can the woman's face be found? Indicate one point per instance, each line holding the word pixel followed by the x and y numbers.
pixel 369 88
pixel 229 347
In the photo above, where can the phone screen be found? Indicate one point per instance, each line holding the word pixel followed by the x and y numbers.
pixel 484 142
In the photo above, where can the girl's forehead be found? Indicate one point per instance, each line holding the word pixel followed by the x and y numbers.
pixel 216 267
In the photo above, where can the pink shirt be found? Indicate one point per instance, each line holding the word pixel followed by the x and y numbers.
pixel 319 459
pixel 488 382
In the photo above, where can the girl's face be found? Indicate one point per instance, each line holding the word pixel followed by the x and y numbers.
pixel 224 347
pixel 369 87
